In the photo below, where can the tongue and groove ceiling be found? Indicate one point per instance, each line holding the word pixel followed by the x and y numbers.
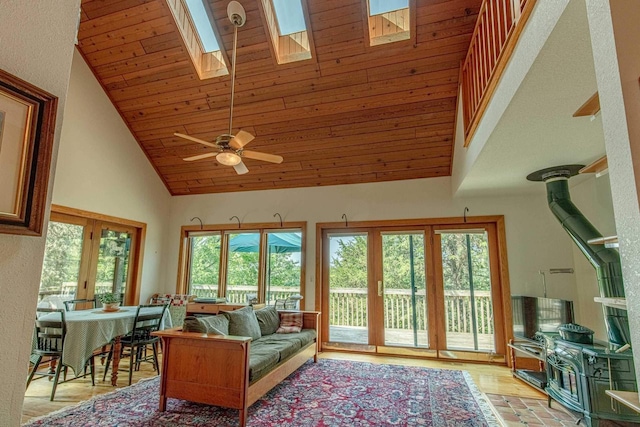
pixel 351 114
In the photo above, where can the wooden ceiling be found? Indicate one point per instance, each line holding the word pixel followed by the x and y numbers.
pixel 352 114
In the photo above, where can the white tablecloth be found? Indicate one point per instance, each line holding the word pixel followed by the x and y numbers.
pixel 88 330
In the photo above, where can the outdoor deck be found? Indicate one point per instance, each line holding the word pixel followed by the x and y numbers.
pixel 403 337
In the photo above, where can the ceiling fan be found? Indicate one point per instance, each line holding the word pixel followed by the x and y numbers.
pixel 230 147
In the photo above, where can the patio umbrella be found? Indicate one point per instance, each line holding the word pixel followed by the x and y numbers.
pixel 278 242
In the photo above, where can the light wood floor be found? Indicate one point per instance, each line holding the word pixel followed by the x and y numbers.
pixel 489 378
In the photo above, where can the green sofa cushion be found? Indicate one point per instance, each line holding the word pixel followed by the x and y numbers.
pixel 268 319
pixel 261 360
pixel 303 337
pixel 284 348
pixel 243 322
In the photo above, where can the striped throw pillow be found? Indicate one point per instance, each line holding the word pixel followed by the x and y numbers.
pixel 290 323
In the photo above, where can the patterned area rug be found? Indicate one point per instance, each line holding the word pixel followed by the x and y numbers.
pixel 329 393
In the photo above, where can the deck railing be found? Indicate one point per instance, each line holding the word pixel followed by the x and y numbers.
pixel 497 29
pixel 239 294
pixel 349 308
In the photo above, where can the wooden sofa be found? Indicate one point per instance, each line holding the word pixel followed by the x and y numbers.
pixel 214 369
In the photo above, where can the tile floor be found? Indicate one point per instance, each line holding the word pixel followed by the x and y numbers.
pixel 519 411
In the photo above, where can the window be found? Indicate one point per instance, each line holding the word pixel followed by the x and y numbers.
pixel 253 262
pixel 194 21
pixel 85 256
pixel 285 22
pixel 389 20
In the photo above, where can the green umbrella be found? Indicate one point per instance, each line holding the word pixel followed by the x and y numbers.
pixel 277 242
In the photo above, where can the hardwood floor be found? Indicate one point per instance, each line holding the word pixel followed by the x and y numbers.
pixel 494 379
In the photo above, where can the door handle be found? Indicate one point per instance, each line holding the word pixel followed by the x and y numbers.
pixel 379 288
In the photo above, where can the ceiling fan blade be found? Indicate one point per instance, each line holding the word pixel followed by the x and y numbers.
pixel 240 168
pixel 199 141
pixel 199 157
pixel 271 158
pixel 241 139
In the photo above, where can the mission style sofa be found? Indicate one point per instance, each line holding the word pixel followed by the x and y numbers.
pixel 224 361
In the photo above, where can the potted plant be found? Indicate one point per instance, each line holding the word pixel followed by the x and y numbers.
pixel 110 301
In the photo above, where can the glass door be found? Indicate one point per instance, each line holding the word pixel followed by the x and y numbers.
pixel 86 256
pixel 113 251
pixel 404 289
pixel 467 289
pixel 348 280
pixel 63 272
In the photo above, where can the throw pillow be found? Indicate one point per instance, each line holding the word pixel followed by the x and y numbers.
pixel 206 325
pixel 290 323
pixel 268 319
pixel 191 324
pixel 215 324
pixel 243 322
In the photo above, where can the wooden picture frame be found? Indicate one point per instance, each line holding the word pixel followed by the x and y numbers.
pixel 27 127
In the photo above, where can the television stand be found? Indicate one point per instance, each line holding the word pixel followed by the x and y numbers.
pixel 536 379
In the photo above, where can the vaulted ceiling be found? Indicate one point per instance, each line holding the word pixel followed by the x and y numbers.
pixel 353 113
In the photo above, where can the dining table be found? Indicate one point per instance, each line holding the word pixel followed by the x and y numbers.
pixel 91 329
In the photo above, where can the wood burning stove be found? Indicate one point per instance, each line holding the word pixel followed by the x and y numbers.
pixel 578 373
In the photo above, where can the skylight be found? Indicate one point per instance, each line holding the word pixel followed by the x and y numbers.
pixel 203 25
pixel 389 21
pixel 377 7
pixel 290 16
pixel 285 23
pixel 196 28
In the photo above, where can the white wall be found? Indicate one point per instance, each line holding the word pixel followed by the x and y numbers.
pixel 593 198
pixel 535 240
pixel 102 169
pixel 36 44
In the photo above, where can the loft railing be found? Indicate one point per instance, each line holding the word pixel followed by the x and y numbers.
pixel 494 37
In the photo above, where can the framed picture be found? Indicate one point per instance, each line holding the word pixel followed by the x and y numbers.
pixel 27 125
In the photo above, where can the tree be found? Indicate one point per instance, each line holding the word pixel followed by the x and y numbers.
pixel 349 263
pixel 63 248
pixel 455 264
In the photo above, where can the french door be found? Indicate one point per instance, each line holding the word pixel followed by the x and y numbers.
pixel 431 290
pixel 85 257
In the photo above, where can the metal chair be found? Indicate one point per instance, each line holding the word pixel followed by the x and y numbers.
pixel 148 319
pixel 70 305
pixel 290 303
pixel 50 332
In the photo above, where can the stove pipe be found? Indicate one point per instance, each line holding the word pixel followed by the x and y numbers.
pixel 606 261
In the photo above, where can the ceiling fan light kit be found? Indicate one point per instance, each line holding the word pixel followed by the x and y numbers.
pixel 230 146
pixel 228 158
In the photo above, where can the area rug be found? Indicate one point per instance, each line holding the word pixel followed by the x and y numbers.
pixel 327 393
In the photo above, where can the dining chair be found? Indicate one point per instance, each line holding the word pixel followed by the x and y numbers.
pixel 71 305
pixel 148 319
pixel 158 300
pixel 49 338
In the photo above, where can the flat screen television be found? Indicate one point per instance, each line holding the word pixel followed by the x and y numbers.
pixel 533 314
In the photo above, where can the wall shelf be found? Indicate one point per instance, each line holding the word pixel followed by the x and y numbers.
pixel 599 167
pixel 608 241
pixel 627 398
pixel 620 303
